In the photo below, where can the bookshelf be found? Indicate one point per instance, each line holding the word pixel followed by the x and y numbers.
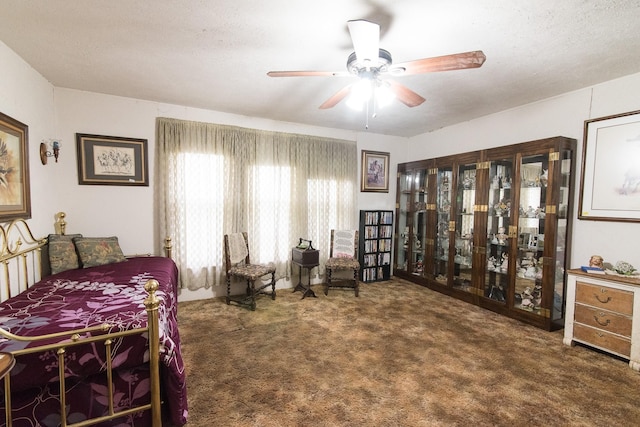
pixel 375 243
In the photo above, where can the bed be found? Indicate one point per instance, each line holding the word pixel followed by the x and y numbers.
pixel 109 328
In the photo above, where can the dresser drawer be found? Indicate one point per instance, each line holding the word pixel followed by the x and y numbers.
pixel 602 339
pixel 606 320
pixel 604 297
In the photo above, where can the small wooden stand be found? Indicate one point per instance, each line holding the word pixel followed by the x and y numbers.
pixel 306 290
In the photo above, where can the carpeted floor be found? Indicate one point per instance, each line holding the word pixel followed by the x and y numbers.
pixel 399 355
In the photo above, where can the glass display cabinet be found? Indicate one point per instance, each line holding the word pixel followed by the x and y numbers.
pixel 401 242
pixel 496 284
pixel 493 229
pixel 440 259
pixel 464 225
pixel 419 223
pixel 412 211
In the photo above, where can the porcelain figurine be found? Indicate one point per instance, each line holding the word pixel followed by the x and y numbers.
pixel 544 177
pixel 596 261
pixel 502 237
pixel 505 262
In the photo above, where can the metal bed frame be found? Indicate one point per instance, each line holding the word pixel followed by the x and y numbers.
pixel 22 266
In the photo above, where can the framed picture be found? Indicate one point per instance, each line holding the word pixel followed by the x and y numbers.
pixel 375 171
pixel 112 160
pixel 610 183
pixel 15 192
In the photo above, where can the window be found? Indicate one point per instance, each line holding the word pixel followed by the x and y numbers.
pixel 213 180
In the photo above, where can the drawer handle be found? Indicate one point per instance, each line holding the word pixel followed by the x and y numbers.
pixel 601 323
pixel 603 302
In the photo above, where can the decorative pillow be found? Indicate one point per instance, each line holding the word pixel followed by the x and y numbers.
pixel 62 252
pixel 94 251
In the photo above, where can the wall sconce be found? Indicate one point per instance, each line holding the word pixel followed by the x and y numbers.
pixel 45 153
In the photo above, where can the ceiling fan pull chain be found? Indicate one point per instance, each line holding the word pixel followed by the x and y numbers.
pixel 366 123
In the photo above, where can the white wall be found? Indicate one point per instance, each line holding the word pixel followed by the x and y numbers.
pixel 127 209
pixel 563 115
pixel 27 97
pixel 396 147
pixel 126 212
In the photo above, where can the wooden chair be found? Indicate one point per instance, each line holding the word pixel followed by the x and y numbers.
pixel 343 256
pixel 238 264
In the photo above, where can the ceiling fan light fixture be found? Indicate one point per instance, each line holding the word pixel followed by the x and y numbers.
pixel 360 95
pixel 379 65
pixel 370 65
pixel 365 36
pixel 366 89
pixel 383 94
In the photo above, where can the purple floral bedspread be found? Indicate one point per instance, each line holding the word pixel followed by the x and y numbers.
pixel 81 298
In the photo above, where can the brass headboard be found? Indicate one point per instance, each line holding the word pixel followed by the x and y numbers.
pixel 20 256
pixel 24 259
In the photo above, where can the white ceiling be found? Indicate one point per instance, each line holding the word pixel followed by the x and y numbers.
pixel 215 54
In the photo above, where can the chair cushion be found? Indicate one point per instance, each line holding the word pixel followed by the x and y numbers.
pixel 252 271
pixel 342 264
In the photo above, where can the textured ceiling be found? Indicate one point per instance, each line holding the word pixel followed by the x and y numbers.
pixel 215 54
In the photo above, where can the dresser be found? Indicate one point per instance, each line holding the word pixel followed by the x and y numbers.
pixel 603 311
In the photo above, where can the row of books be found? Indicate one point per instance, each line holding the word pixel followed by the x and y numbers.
pixel 371 260
pixel 373 246
pixel 375 217
pixel 373 232
pixel 370 274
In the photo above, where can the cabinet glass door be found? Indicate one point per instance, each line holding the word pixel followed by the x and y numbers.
pixel 496 282
pixel 530 233
pixel 419 221
pixel 443 209
pixel 465 201
pixel 402 235
pixel 564 195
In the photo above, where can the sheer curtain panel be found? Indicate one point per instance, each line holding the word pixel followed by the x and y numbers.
pixel 213 180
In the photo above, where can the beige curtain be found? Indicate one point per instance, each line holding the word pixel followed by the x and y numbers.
pixel 213 180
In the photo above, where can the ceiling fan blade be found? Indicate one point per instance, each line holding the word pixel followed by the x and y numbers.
pixel 307 73
pixel 456 61
pixel 365 36
pixel 405 95
pixel 337 97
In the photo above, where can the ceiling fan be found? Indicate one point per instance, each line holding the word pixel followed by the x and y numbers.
pixel 371 64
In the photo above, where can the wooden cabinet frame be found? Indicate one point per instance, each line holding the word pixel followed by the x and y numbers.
pixel 432 246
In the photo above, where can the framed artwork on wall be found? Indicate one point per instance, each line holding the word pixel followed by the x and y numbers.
pixel 15 192
pixel 112 160
pixel 610 182
pixel 375 171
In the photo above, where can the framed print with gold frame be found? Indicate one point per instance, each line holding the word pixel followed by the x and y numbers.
pixel 15 191
pixel 610 181
pixel 375 172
